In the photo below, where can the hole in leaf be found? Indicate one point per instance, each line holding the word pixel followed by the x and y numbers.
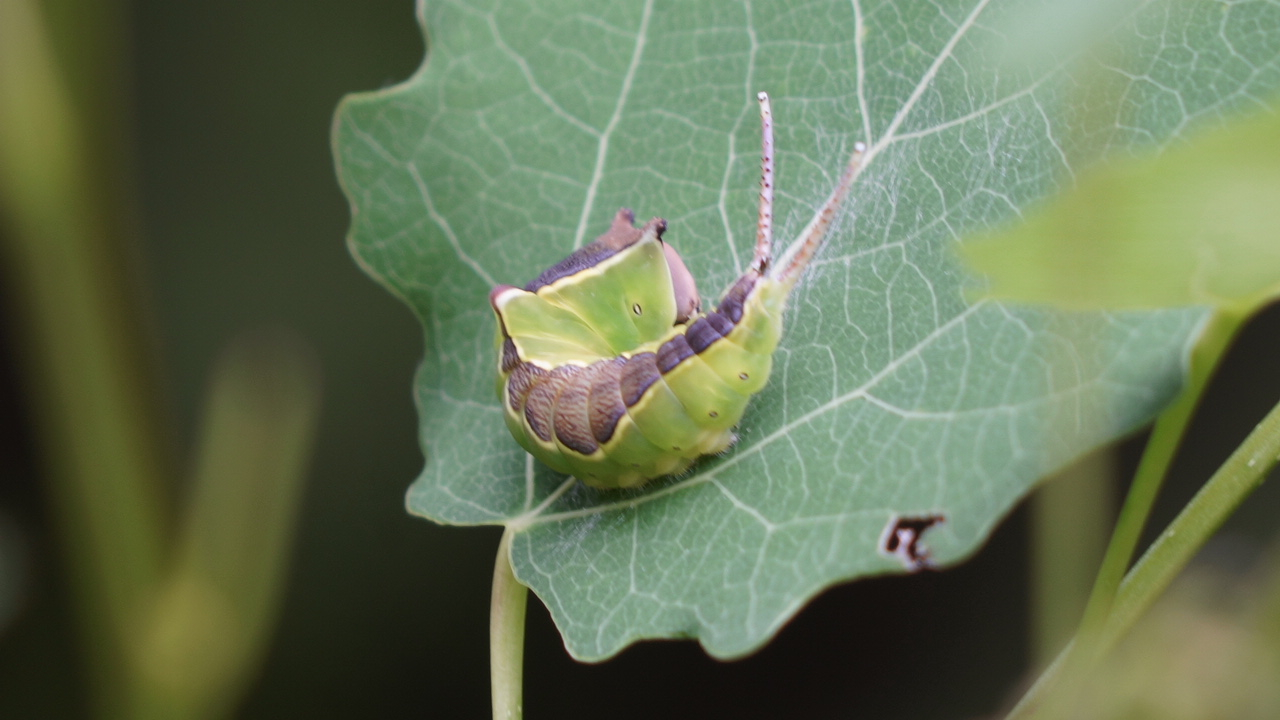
pixel 902 539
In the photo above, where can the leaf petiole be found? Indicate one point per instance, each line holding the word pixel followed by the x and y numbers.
pixel 506 636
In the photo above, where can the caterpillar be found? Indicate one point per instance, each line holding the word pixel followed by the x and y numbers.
pixel 609 370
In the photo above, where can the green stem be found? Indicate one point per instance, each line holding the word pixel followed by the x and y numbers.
pixel 1166 436
pixel 1239 476
pixel 506 636
pixel 1161 448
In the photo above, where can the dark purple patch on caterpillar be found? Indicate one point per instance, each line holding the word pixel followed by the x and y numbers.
pixel 605 407
pixel 522 379
pixel 586 257
pixel 672 353
pixel 722 324
pixel 708 329
pixel 573 414
pixel 540 405
pixel 510 357
pixel 731 305
pixel 701 334
pixel 620 235
pixel 638 374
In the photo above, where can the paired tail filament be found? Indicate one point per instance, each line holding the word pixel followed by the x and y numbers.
pixel 764 227
pixel 802 250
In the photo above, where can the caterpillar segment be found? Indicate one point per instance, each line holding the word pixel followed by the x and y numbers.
pixel 610 371
pixel 619 398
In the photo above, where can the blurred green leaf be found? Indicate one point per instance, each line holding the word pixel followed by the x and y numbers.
pixel 166 634
pixel 1196 225
pixel 80 343
pixel 892 394
pixel 214 613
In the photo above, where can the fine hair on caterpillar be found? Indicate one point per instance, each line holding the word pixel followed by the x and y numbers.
pixel 609 367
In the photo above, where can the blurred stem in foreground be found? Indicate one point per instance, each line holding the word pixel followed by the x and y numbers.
pixel 1070 515
pixel 1051 696
pixel 1192 224
pixel 1089 643
pixel 1162 447
pixel 88 384
pixel 1269 620
pixel 168 633
pixel 207 630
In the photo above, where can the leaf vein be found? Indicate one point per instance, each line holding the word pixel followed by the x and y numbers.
pixel 602 143
pixel 444 226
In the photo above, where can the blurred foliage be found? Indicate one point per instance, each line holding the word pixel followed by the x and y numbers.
pixel 242 225
pixel 1191 224
pixel 14 570
pixel 1209 649
pixel 1072 513
pixel 1197 224
pixel 174 615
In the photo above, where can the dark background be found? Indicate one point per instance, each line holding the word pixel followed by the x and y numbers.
pixel 386 615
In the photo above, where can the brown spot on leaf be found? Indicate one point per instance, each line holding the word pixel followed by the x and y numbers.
pixel 902 539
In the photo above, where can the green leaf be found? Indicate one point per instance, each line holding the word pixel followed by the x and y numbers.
pixel 1196 225
pixel 892 395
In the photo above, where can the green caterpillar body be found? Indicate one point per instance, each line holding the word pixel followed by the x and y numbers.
pixel 605 377
pixel 608 369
